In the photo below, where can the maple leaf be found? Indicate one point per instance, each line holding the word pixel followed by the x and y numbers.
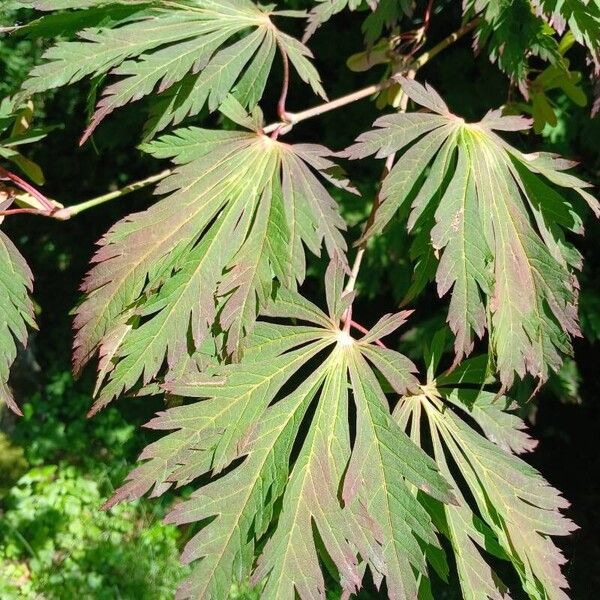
pixel 192 53
pixel 242 431
pixel 239 210
pixel 16 312
pixel 513 511
pixel 497 228
pixel 513 31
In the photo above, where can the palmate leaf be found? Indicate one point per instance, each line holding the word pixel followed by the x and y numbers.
pixel 239 210
pixel 497 225
pixel 505 508
pixel 513 30
pixel 192 53
pixel 16 312
pixel 16 279
pixel 242 431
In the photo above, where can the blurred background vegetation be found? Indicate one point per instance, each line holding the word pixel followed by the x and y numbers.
pixel 56 467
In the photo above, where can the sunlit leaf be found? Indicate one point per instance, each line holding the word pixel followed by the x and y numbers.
pixel 241 431
pixel 239 211
pixel 497 230
pixel 188 53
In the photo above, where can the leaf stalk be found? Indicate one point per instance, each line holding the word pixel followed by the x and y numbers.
pixel 418 63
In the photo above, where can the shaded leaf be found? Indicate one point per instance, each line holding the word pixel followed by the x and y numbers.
pixel 16 312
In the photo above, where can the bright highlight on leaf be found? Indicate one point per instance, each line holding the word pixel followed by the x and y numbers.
pixel 497 227
pixel 189 53
pixel 239 211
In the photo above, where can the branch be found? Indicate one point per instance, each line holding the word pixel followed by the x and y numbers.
pixel 427 16
pixel 389 163
pixel 47 206
pixel 419 62
pixel 70 211
pixel 281 112
pixel 376 202
pixel 20 211
pixel 288 120
pixel 349 323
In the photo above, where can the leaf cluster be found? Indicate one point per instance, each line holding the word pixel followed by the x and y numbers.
pixel 309 448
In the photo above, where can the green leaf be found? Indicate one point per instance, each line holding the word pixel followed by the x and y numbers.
pixel 512 32
pixel 324 10
pixel 189 53
pixel 504 508
pixel 241 432
pixel 239 210
pixel 383 459
pixel 509 274
pixel 15 131
pixel 16 312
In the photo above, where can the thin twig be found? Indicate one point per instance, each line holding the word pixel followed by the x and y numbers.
pixel 21 211
pixel 281 113
pixel 447 41
pixel 315 111
pixel 364 330
pixel 66 213
pixel 389 163
pixel 419 62
pixel 427 16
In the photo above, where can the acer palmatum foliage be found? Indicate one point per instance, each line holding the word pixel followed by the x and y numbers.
pixel 316 446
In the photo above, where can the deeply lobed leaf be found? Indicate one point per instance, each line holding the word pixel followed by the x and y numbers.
pixel 505 508
pixel 240 209
pixel 512 32
pixel 190 53
pixel 496 228
pixel 385 14
pixel 16 312
pixel 245 420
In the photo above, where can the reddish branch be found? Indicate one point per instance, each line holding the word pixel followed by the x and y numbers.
pixel 281 112
pixel 19 211
pixel 427 16
pixel 350 324
pixel 287 119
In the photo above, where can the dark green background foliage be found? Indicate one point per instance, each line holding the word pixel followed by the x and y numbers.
pixel 56 467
